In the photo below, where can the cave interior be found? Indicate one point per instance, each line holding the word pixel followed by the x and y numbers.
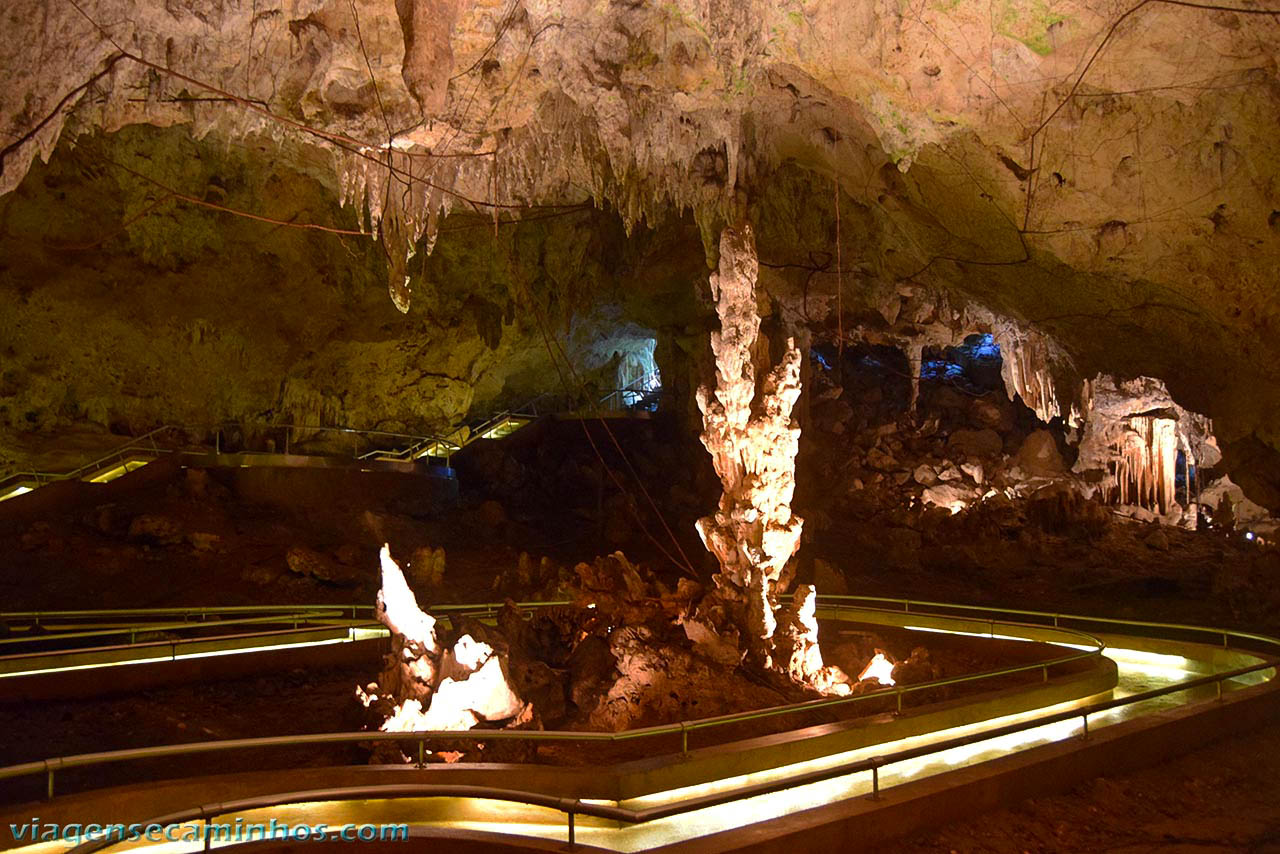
pixel 674 312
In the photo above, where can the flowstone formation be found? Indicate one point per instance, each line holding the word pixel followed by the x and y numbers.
pixel 753 441
pixel 430 686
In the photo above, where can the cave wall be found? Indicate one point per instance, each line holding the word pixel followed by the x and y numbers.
pixel 1102 174
pixel 124 308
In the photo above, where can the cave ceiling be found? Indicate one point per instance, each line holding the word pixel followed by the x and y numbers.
pixel 1105 173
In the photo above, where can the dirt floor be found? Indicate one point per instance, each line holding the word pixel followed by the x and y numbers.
pixel 1223 798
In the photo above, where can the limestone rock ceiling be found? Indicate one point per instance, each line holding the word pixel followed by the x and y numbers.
pixel 1103 173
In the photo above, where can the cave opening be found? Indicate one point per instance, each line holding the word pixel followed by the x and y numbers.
pixel 973 366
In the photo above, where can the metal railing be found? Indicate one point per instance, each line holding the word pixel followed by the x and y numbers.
pixel 682 729
pixel 1050 622
pixel 573 807
pixel 146 442
pixel 148 445
pixel 135 630
pixel 389 445
pixel 634 394
pixel 1056 619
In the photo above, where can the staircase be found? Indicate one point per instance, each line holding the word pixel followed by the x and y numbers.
pixel 639 398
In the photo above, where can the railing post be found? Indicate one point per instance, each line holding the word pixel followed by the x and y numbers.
pixel 684 736
pixel 899 699
pixel 1225 644
pixel 1045 671
pixel 875 782
pixel 1085 734
pixel 1218 685
pixel 421 754
pixel 572 836
pixel 49 783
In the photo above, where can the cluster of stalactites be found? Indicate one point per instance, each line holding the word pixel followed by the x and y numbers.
pixel 407 191
pixel 1133 433
pixel 1145 464
pixel 405 195
pixel 1028 362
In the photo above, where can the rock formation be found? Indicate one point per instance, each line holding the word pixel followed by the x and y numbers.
pixel 1087 171
pixel 426 686
pixel 1132 436
pixel 752 439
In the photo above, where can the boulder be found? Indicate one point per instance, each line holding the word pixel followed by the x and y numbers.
pixel 313 564
pixel 1157 540
pixel 976 443
pixel 1039 456
pixel 878 459
pixel 202 541
pixel 988 411
pixel 953 496
pixel 159 530
pixel 925 475
pixel 950 473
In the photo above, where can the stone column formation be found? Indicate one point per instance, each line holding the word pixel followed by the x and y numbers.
pixel 753 442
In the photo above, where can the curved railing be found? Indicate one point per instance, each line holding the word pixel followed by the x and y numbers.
pixel 1044 621
pixel 683 729
pixel 573 807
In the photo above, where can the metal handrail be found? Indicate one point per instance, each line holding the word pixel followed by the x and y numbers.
pixel 578 806
pixel 1057 617
pixel 173 644
pixel 135 629
pixel 682 728
pixel 114 454
pixel 321 616
pixel 630 388
pixel 146 443
pixel 449 442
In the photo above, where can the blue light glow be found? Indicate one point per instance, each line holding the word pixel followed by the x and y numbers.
pixel 817 357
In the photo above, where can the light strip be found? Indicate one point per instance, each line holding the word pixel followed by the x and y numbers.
pixel 1136 668
pixel 206 654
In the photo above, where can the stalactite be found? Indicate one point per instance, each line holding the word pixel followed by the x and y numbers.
pixel 1026 363
pixel 1145 465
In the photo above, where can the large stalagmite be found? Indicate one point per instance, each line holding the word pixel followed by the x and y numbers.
pixel 753 440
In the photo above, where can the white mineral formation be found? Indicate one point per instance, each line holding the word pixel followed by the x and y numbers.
pixel 753 440
pixel 754 533
pixel 1133 433
pixel 880 668
pixel 433 688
